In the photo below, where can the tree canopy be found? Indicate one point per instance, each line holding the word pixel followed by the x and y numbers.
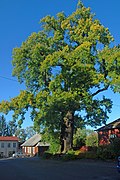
pixel 64 67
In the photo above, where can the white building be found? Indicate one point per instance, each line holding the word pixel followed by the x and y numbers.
pixel 8 145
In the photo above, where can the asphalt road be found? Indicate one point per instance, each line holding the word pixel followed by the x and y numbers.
pixel 37 169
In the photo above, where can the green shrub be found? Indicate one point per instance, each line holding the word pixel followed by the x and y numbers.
pixel 81 155
pixel 90 155
pixel 79 137
pixel 106 152
pixel 77 152
pixel 70 155
pixel 92 139
pixel 54 147
pixel 110 151
pixel 47 155
pixel 116 146
pixel 53 139
pixel 71 152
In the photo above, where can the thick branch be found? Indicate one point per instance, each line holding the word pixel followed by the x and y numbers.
pixel 100 90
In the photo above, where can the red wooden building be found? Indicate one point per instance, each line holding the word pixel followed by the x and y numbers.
pixel 108 132
pixel 34 146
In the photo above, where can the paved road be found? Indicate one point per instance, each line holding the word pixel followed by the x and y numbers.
pixel 37 169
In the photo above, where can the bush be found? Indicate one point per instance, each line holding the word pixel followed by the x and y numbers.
pixel 90 155
pixel 92 139
pixel 54 147
pixel 47 155
pixel 53 139
pixel 70 155
pixel 106 152
pixel 103 152
pixel 74 155
pixel 110 151
pixel 79 137
pixel 116 146
pixel 77 152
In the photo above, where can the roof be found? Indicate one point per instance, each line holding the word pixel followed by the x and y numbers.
pixel 43 144
pixel 32 141
pixel 113 125
pixel 8 138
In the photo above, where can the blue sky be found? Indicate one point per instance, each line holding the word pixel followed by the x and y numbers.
pixel 18 19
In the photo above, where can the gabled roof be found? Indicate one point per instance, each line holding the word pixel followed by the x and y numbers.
pixel 8 138
pixel 113 125
pixel 32 141
pixel 43 144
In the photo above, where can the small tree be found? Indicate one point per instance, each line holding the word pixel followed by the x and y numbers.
pixel 21 134
pixel 52 139
pixel 3 126
pixel 79 137
pixel 92 139
pixel 11 128
pixel 30 131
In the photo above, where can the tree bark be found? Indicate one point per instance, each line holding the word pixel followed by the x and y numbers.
pixel 67 132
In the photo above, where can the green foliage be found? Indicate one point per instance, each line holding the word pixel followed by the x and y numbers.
pixel 116 146
pixel 21 134
pixel 70 155
pixel 52 139
pixel 7 128
pixel 47 155
pixel 3 126
pixel 11 128
pixel 30 131
pixel 91 155
pixel 85 137
pixel 86 155
pixel 106 152
pixel 54 146
pixel 79 137
pixel 92 139
pixel 110 151
pixel 24 134
pixel 74 155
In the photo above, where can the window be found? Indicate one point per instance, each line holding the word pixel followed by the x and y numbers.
pixel 8 145
pixel 29 149
pixel 25 150
pixel 1 154
pixel 10 153
pixel 2 145
pixel 33 150
pixel 14 145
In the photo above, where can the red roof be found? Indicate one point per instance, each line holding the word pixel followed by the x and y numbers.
pixel 8 138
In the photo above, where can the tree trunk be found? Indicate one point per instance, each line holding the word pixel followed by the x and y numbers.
pixel 67 132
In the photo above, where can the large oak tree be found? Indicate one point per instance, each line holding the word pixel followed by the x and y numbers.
pixel 64 67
